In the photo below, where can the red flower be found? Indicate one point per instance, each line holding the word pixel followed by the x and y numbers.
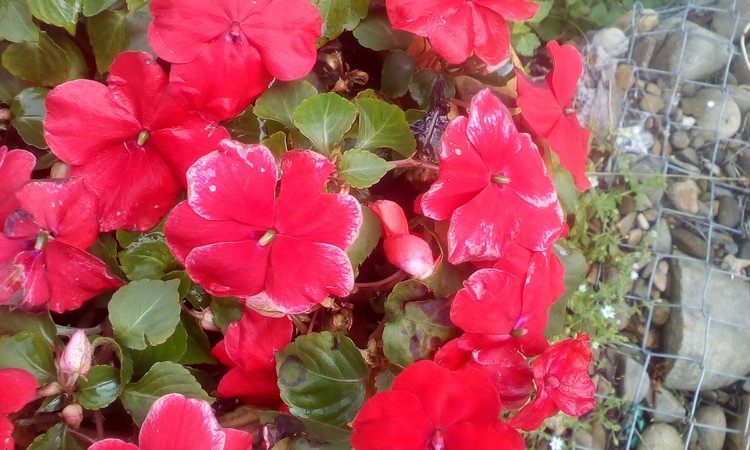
pixel 562 384
pixel 47 240
pixel 15 170
pixel 177 423
pixel 455 28
pixel 502 363
pixel 249 348
pixel 226 52
pixel 492 186
pixel 17 388
pixel 430 407
pixel 235 238
pixel 549 111
pixel 407 251
pixel 130 142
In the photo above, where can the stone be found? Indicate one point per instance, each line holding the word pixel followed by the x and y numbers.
pixel 705 52
pixel 661 436
pixel 688 336
pixel 667 408
pixel 712 436
pixel 726 23
pixel 690 243
pixel 729 212
pixel 741 96
pixel 688 155
pixel 652 103
pixel 648 19
pixel 663 240
pixel 634 380
pixel 714 111
pixel 684 196
pixel 739 441
pixel 643 222
pixel 660 278
pixel 612 40
pixel 661 315
pixel 645 168
pixel 679 139
pixel 626 223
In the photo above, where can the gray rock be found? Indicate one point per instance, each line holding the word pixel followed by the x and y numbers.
pixel 647 167
pixel 647 20
pixel 684 196
pixel 724 21
pixel 687 334
pixel 612 40
pixel 661 436
pixel 680 139
pixel 741 96
pixel 739 441
pixel 690 243
pixel 667 408
pixel 663 241
pixel 740 70
pixel 714 111
pixel 712 436
pixel 729 212
pixel 634 380
pixel 705 51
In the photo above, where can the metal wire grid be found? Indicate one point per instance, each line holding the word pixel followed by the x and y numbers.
pixel 714 233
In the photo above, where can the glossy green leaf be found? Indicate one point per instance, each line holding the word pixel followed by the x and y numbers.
pixel 10 85
pixel 57 437
pixel 44 62
pixel 245 127
pixel 376 33
pixel 198 350
pixel 280 100
pixel 423 82
pixel 384 125
pixel 126 363
pixel 369 235
pixel 226 310
pixel 30 352
pixel 575 274
pixel 322 376
pixel 105 248
pixel 61 13
pixel 145 309
pixel 16 24
pixel 78 67
pixel 398 69
pixel 108 37
pixel 324 118
pixel 27 112
pixel 147 257
pixel 361 168
pixel 99 388
pixel 170 350
pixel 163 378
pixel 415 329
pixel 13 321
pixel 335 14
pixel 94 7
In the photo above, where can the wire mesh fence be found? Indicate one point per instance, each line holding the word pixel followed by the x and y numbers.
pixel 683 120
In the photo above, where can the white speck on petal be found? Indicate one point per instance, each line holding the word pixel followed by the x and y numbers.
pixel 457 152
pixel 53 204
pixel 262 170
pixel 212 188
pixel 119 213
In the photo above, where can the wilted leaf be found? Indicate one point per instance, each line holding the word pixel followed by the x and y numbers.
pixel 361 168
pixel 27 112
pixel 324 118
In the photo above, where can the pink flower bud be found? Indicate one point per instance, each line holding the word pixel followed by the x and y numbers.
pixel 207 322
pixel 73 415
pixel 76 358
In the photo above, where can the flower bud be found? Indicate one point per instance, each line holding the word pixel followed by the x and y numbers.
pixel 76 358
pixel 207 322
pixel 73 415
pixel 48 390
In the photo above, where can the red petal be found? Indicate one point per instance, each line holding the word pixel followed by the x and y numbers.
pixel 511 9
pixel 410 253
pixel 532 415
pixel 220 352
pixel 17 388
pixel 20 227
pixel 139 85
pixel 491 36
pixel 399 412
pixel 303 273
pixel 287 46
pixel 451 356
pixel 509 371
pixel 538 104
pixel 305 212
pixel 229 268
pixel 113 444
pixel 6 433
pixel 544 282
pixel 15 170
pixel 83 120
pixel 490 302
pixel 252 341
pixel 74 276
pixel 257 387
pixel 451 33
pixel 413 15
pixel 64 207
pixel 492 132
pixel 237 439
pixel 486 434
pixel 391 216
pixel 244 175
pixel 481 228
pixel 176 423
pixel 27 273
pixel 184 143
pixel 567 67
pixel 570 141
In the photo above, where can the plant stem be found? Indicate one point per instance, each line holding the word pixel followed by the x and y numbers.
pixel 391 280
pixel 407 163
pixel 82 436
pixel 68 331
pixel 301 327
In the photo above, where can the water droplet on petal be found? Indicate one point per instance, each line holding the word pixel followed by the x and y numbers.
pixel 212 188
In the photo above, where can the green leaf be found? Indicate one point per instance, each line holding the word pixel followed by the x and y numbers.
pixel 198 349
pixel 361 168
pixel 99 388
pixel 170 350
pixel 16 24
pixel 78 68
pixel 43 62
pixel 398 69
pixel 280 100
pixel 61 13
pixel 27 113
pixel 145 309
pixel 358 11
pixel 136 4
pixel 376 33
pixel 30 352
pixel 369 235
pixel 13 321
pixel 384 125
pixel 322 376
pixel 245 127
pixel 324 118
pixel 276 143
pixel 448 279
pixel 108 37
pixel 126 364
pixel 526 43
pixel 10 85
pixel 423 82
pixel 105 248
pixel 148 257
pixel 163 378
pixel 545 6
pixel 311 433
pixel 575 274
pixel 417 328
pixel 334 14
pixel 58 437
pixel 136 27
pixel 226 310
pixel 94 7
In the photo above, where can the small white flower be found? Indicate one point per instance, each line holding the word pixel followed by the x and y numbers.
pixel 595 346
pixel 583 288
pixel 634 275
pixel 608 312
pixel 556 443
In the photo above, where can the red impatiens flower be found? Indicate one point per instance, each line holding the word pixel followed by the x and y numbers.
pixel 178 423
pixel 226 52
pixel 493 187
pixel 17 388
pixel 407 251
pixel 248 348
pixel 15 170
pixel 503 364
pixel 562 384
pixel 455 28
pixel 430 407
pixel 548 109
pixel 282 254
pixel 130 142
pixel 45 246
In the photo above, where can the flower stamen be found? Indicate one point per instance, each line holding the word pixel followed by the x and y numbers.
pixel 267 237
pixel 142 137
pixel 500 179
